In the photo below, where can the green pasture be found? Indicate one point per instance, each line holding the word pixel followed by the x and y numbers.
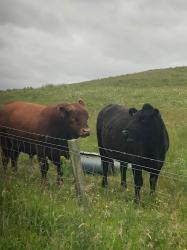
pixel 34 216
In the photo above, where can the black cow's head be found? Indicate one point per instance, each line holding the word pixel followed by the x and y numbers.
pixel 142 124
pixel 75 118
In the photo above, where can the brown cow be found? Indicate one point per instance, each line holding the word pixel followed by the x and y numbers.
pixel 41 130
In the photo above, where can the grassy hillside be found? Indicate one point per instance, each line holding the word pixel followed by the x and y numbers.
pixel 38 217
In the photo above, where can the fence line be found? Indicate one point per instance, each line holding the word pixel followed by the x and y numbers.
pixel 23 142
pixel 66 147
pixel 32 133
pixel 74 152
pixel 43 143
pixel 159 174
pixel 137 156
pixel 106 149
pixel 60 146
pixel 41 158
pixel 31 139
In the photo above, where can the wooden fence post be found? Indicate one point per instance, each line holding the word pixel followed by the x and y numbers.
pixel 77 169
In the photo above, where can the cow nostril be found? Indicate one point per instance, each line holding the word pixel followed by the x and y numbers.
pixel 86 131
pixel 126 135
pixel 125 132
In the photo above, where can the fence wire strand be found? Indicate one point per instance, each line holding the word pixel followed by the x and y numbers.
pixel 31 133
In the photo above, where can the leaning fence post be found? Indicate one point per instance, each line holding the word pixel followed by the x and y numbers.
pixel 77 168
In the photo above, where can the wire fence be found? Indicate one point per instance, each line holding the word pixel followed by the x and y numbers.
pixel 15 141
pixel 46 144
pixel 10 138
pixel 46 139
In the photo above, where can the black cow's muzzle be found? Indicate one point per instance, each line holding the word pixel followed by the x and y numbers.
pixel 84 132
pixel 126 136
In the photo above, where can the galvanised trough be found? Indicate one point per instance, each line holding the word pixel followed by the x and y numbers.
pixel 91 164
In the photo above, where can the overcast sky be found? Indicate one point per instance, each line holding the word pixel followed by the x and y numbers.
pixel 65 41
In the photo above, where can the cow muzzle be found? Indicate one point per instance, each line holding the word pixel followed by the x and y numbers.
pixel 126 136
pixel 84 132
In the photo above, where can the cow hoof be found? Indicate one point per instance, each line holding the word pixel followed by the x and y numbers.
pixel 152 193
pixel 4 173
pixel 124 185
pixel 44 182
pixel 137 200
pixel 60 182
pixel 14 172
pixel 104 184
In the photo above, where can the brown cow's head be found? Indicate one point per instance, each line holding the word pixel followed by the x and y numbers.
pixel 75 119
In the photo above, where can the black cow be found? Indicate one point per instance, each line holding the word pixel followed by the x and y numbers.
pixel 131 136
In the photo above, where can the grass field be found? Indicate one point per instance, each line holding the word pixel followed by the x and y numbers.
pixel 33 216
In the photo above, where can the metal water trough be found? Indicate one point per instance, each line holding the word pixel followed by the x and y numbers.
pixel 91 164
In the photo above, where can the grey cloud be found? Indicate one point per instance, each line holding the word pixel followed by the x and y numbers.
pixel 31 14
pixel 69 41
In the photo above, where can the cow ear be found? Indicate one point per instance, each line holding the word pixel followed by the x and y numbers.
pixel 156 112
pixel 64 110
pixel 132 111
pixel 81 102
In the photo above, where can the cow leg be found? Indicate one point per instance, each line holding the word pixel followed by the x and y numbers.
pixel 14 158
pixel 112 167
pixel 44 166
pixel 59 175
pixel 123 169
pixel 105 164
pixel 5 159
pixel 31 157
pixel 57 163
pixel 105 171
pixel 138 181
pixel 153 181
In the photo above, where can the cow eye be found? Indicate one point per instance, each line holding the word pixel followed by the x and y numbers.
pixel 74 119
pixel 142 118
